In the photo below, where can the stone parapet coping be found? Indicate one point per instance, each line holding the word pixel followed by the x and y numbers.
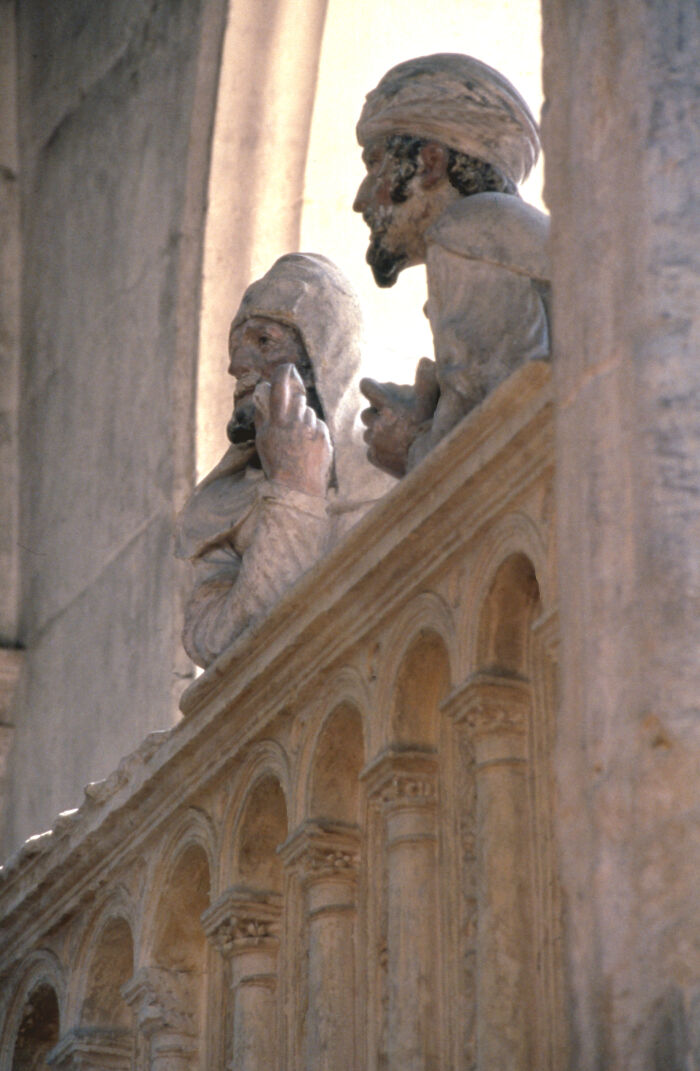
pixel 426 518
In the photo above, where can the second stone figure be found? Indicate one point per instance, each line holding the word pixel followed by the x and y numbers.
pixel 294 476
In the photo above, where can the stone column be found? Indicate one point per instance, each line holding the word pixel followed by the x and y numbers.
pixel 165 1004
pixel 405 782
pixel 93 1049
pixel 495 712
pixel 244 926
pixel 621 140
pixel 325 856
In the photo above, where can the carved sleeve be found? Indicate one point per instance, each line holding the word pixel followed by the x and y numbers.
pixel 232 590
pixel 486 320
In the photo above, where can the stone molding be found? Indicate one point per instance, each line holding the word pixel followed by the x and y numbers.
pixel 242 919
pixel 546 628
pixel 164 1000
pixel 90 1048
pixel 399 778
pixel 323 850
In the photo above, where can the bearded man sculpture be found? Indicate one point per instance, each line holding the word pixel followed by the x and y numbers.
pixel 446 140
pixel 293 478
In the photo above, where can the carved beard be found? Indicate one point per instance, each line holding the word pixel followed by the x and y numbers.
pixel 240 429
pixel 385 263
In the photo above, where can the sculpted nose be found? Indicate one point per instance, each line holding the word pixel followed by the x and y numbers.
pixel 361 197
pixel 241 361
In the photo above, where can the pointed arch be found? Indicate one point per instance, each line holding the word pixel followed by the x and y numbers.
pixel 36 1011
pixel 519 539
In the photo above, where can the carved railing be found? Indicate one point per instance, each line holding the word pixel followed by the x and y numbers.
pixel 341 857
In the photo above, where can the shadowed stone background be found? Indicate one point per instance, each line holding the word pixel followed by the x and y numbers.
pixel 105 96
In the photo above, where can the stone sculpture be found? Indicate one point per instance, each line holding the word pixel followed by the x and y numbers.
pixel 446 140
pixel 291 480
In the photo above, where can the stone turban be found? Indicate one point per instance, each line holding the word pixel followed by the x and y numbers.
pixel 460 102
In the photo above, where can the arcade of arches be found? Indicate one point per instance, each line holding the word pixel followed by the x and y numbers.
pixel 342 857
pixel 439 810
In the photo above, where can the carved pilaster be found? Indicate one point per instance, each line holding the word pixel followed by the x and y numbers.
pixel 546 628
pixel 325 857
pixel 165 1007
pixel 93 1049
pixel 244 926
pixel 495 713
pixel 405 784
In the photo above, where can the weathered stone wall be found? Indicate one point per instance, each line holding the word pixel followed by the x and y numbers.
pixel 623 185
pixel 111 200
pixel 10 266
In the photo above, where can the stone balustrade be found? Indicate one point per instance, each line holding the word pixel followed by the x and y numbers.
pixel 340 857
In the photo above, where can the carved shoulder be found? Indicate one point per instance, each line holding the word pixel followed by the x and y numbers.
pixel 497 228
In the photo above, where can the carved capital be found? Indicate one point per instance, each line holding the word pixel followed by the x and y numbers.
pixel 92 1048
pixel 403 778
pixel 319 851
pixel 163 1000
pixel 490 704
pixel 242 919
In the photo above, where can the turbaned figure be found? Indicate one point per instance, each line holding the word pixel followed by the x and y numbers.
pixel 446 140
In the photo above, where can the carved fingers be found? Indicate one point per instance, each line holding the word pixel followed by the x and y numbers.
pixel 395 416
pixel 293 444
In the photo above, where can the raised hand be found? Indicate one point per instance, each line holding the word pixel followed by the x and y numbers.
pixel 292 442
pixel 395 416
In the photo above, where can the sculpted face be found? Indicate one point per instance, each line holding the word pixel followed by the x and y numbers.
pixel 399 198
pixel 256 348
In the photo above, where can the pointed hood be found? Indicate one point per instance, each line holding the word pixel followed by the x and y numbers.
pixel 307 291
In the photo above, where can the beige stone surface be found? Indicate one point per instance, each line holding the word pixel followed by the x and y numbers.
pixel 302 872
pixel 622 184
pixel 10 291
pixel 108 162
pixel 120 104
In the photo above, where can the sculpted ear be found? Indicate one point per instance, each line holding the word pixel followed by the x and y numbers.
pixel 434 158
